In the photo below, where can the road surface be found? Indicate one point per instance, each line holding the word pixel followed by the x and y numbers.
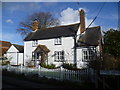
pixel 11 82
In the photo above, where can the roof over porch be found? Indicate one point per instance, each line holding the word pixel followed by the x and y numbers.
pixel 42 48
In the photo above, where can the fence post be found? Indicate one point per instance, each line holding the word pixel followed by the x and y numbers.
pixel 96 79
pixel 8 67
pixel 21 67
pixel 61 73
pixel 39 70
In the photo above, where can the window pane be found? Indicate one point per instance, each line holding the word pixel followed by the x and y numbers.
pixel 62 52
pixel 58 41
pixel 35 43
pixel 62 57
pixel 59 55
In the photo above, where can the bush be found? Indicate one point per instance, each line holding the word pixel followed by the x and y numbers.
pixel 3 58
pixel 5 62
pixel 30 63
pixel 110 62
pixel 51 66
pixel 69 66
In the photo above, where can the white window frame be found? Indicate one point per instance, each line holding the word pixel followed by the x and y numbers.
pixel 34 43
pixel 58 41
pixel 36 56
pixel 88 54
pixel 59 56
pixel 33 56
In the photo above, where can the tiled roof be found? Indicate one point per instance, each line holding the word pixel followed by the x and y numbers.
pixel 20 48
pixel 4 46
pixel 3 50
pixel 41 48
pixel 90 37
pixel 53 32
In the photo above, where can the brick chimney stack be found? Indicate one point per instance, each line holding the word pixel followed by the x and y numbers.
pixel 35 25
pixel 82 21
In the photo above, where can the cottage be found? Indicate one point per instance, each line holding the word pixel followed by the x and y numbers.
pixel 63 44
pixel 15 54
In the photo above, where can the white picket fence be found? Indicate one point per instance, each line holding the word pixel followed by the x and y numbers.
pixel 59 73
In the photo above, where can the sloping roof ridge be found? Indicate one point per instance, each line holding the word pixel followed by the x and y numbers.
pixel 59 26
pixel 5 41
pixel 44 47
pixel 20 48
pixel 18 45
pixel 52 32
pixel 93 27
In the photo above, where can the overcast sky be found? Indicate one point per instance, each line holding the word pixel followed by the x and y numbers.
pixel 67 12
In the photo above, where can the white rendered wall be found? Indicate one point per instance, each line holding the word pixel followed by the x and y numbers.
pixel 28 49
pixel 67 45
pixel 20 58
pixel 14 56
pixel 79 58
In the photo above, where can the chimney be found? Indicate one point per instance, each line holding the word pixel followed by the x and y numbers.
pixel 35 25
pixel 82 21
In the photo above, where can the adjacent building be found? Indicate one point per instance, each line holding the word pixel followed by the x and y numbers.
pixel 15 54
pixel 4 46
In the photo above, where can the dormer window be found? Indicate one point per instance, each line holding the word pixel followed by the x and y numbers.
pixel 35 43
pixel 58 41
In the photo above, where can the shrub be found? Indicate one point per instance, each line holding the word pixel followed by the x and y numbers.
pixel 51 66
pixel 69 66
pixel 5 62
pixel 43 64
pixel 30 63
pixel 3 58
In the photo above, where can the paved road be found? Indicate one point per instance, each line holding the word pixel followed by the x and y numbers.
pixel 6 85
pixel 10 82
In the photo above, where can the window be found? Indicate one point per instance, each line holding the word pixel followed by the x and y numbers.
pixel 34 43
pixel 58 41
pixel 89 54
pixel 33 56
pixel 36 56
pixel 59 56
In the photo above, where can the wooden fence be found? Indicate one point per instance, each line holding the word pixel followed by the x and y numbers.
pixel 110 72
pixel 59 73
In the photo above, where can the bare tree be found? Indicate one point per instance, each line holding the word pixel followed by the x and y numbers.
pixel 45 19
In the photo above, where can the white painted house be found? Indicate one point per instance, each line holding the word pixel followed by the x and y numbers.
pixel 15 54
pixel 69 44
